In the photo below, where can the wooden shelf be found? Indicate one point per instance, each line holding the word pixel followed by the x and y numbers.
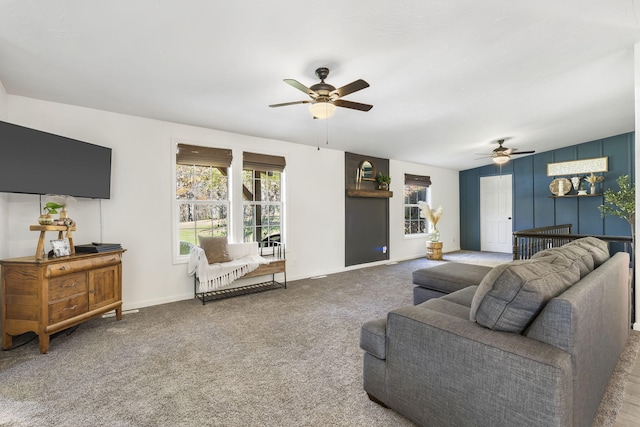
pixel 576 195
pixel 60 229
pixel 369 193
pixel 51 228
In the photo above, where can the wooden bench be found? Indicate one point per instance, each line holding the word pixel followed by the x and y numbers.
pixel 276 265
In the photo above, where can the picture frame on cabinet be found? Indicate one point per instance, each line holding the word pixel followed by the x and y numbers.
pixel 61 247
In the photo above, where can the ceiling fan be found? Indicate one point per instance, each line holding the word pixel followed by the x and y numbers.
pixel 325 97
pixel 502 155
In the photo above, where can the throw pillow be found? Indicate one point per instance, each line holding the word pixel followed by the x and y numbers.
pixel 575 253
pixel 215 249
pixel 511 295
pixel 599 249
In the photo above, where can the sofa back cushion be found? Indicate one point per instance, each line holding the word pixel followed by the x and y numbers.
pixel 511 295
pixel 574 253
pixel 215 249
pixel 599 249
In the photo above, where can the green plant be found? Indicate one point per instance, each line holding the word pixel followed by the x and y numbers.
pixel 621 203
pixel 383 178
pixel 52 208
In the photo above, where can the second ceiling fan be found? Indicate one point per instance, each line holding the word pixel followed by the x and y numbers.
pixel 325 97
pixel 502 155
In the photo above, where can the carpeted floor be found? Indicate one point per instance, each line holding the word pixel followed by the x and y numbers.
pixel 280 358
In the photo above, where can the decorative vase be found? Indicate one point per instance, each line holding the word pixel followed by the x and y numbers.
pixel 576 182
pixel 561 190
pixel 434 236
pixel 45 219
pixel 383 186
pixel 593 189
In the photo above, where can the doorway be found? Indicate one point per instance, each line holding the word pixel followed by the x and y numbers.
pixel 496 213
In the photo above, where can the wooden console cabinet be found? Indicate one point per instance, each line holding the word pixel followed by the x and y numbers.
pixel 49 295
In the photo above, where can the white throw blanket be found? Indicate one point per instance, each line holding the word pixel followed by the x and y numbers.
pixel 216 276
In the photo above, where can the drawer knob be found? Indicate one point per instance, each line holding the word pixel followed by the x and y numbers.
pixel 70 308
pixel 63 268
pixel 70 285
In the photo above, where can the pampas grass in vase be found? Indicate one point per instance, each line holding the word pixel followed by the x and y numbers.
pixel 433 217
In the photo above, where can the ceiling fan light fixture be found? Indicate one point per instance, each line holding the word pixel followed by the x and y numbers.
pixel 501 159
pixel 322 109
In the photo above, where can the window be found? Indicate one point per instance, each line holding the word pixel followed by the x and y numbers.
pixel 416 189
pixel 262 198
pixel 202 193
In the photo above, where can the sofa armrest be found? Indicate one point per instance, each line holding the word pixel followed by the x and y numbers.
pixel 373 338
pixel 434 361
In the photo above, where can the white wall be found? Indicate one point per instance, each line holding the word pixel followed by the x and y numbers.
pixel 139 213
pixel 444 192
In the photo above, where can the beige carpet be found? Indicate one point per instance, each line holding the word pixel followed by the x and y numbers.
pixel 280 358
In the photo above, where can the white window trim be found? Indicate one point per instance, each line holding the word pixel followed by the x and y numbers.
pixel 429 226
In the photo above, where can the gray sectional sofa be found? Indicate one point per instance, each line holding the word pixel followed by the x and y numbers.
pixel 533 345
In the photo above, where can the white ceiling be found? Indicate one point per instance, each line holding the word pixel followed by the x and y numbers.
pixel 447 77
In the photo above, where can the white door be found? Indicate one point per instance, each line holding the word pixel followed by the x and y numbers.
pixel 495 213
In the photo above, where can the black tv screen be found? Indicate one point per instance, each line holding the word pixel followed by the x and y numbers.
pixel 36 162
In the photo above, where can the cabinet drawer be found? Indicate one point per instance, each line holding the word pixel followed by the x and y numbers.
pixel 67 308
pixel 67 285
pixel 73 266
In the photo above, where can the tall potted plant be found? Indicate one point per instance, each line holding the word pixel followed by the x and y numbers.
pixel 622 203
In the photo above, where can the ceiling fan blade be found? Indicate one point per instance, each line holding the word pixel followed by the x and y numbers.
pixel 521 152
pixel 350 88
pixel 352 105
pixel 290 103
pixel 301 87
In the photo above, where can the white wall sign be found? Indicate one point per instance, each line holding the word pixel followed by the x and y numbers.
pixel 576 167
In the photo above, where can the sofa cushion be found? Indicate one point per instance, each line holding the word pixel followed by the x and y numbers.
pixel 450 277
pixel 215 249
pixel 599 249
pixel 574 253
pixel 511 295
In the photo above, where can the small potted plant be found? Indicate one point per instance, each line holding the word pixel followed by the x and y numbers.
pixel 50 208
pixel 383 181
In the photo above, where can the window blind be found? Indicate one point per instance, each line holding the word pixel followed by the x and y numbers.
pixel 422 180
pixel 203 156
pixel 263 162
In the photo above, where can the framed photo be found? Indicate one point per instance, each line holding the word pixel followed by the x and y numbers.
pixel 61 247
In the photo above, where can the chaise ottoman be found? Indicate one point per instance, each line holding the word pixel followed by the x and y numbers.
pixel 434 282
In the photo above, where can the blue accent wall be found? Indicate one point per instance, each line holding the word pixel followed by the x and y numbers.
pixel 532 206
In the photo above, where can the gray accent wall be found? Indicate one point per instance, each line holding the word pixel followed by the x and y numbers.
pixel 532 206
pixel 366 218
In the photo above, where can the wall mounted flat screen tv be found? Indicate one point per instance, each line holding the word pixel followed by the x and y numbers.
pixel 36 162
